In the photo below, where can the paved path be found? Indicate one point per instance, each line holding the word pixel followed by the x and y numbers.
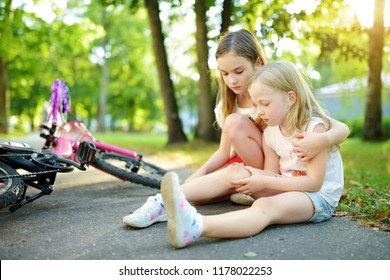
pixel 81 220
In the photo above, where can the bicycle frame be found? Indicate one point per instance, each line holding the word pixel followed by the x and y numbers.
pixel 42 167
pixel 71 134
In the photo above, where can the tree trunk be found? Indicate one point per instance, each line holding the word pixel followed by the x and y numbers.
pixel 373 117
pixel 131 109
pixel 226 15
pixel 4 98
pixel 4 93
pixel 206 130
pixel 175 130
pixel 101 125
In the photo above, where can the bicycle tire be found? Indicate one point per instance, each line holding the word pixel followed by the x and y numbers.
pixel 11 189
pixel 148 167
pixel 151 177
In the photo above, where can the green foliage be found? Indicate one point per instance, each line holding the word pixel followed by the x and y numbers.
pixel 70 51
pixel 336 29
pixel 356 127
pixel 328 42
pixel 334 70
pixel 327 39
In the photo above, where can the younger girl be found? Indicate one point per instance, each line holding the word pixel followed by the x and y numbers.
pixel 238 55
pixel 305 191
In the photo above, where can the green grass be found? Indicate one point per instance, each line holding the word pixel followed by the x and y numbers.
pixel 194 152
pixel 367 182
pixel 143 143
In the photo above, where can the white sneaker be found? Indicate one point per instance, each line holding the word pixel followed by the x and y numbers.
pixel 185 224
pixel 151 212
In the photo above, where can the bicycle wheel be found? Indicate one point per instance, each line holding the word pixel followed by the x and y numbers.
pixel 10 188
pixel 130 169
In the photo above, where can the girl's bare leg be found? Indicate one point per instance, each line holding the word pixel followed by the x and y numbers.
pixel 285 208
pixel 214 186
pixel 186 225
pixel 245 137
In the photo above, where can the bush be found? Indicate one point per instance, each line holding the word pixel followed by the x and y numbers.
pixel 356 126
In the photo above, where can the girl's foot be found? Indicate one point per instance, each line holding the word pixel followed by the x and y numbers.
pixel 185 224
pixel 242 199
pixel 151 212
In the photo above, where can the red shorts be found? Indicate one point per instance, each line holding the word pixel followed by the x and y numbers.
pixel 234 159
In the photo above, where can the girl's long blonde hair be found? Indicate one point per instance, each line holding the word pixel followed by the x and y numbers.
pixel 285 76
pixel 242 43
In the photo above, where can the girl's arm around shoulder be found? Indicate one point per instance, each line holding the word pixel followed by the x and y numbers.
pixel 316 167
pixel 309 144
pixel 337 133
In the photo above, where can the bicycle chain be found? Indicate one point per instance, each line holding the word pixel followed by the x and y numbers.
pixel 15 155
pixel 27 174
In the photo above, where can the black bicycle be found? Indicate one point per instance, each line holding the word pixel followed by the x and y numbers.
pixel 22 167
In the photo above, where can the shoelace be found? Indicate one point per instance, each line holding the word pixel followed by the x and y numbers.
pixel 148 207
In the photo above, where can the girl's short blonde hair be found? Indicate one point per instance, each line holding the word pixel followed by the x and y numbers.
pixel 286 77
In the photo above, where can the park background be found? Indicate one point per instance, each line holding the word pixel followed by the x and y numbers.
pixel 142 74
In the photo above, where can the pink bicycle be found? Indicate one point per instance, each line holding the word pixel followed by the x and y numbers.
pixel 64 138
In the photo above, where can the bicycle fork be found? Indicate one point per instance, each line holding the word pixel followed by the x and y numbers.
pixel 45 188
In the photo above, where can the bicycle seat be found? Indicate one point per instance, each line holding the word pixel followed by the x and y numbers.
pixel 16 147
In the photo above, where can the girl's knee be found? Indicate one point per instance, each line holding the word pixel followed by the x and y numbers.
pixel 235 120
pixel 234 117
pixel 262 202
pixel 238 126
pixel 236 170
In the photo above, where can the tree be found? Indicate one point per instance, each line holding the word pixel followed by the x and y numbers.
pixel 4 98
pixel 102 18
pixel 227 8
pixel 105 74
pixel 5 15
pixel 26 76
pixel 339 37
pixel 57 47
pixel 373 118
pixel 206 130
pixel 175 130
pixel 134 99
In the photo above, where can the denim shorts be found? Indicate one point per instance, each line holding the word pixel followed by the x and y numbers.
pixel 322 209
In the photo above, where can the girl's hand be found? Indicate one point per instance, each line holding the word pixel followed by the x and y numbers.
pixel 309 144
pixel 251 184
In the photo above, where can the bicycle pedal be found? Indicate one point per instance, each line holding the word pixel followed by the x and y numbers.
pixel 86 152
